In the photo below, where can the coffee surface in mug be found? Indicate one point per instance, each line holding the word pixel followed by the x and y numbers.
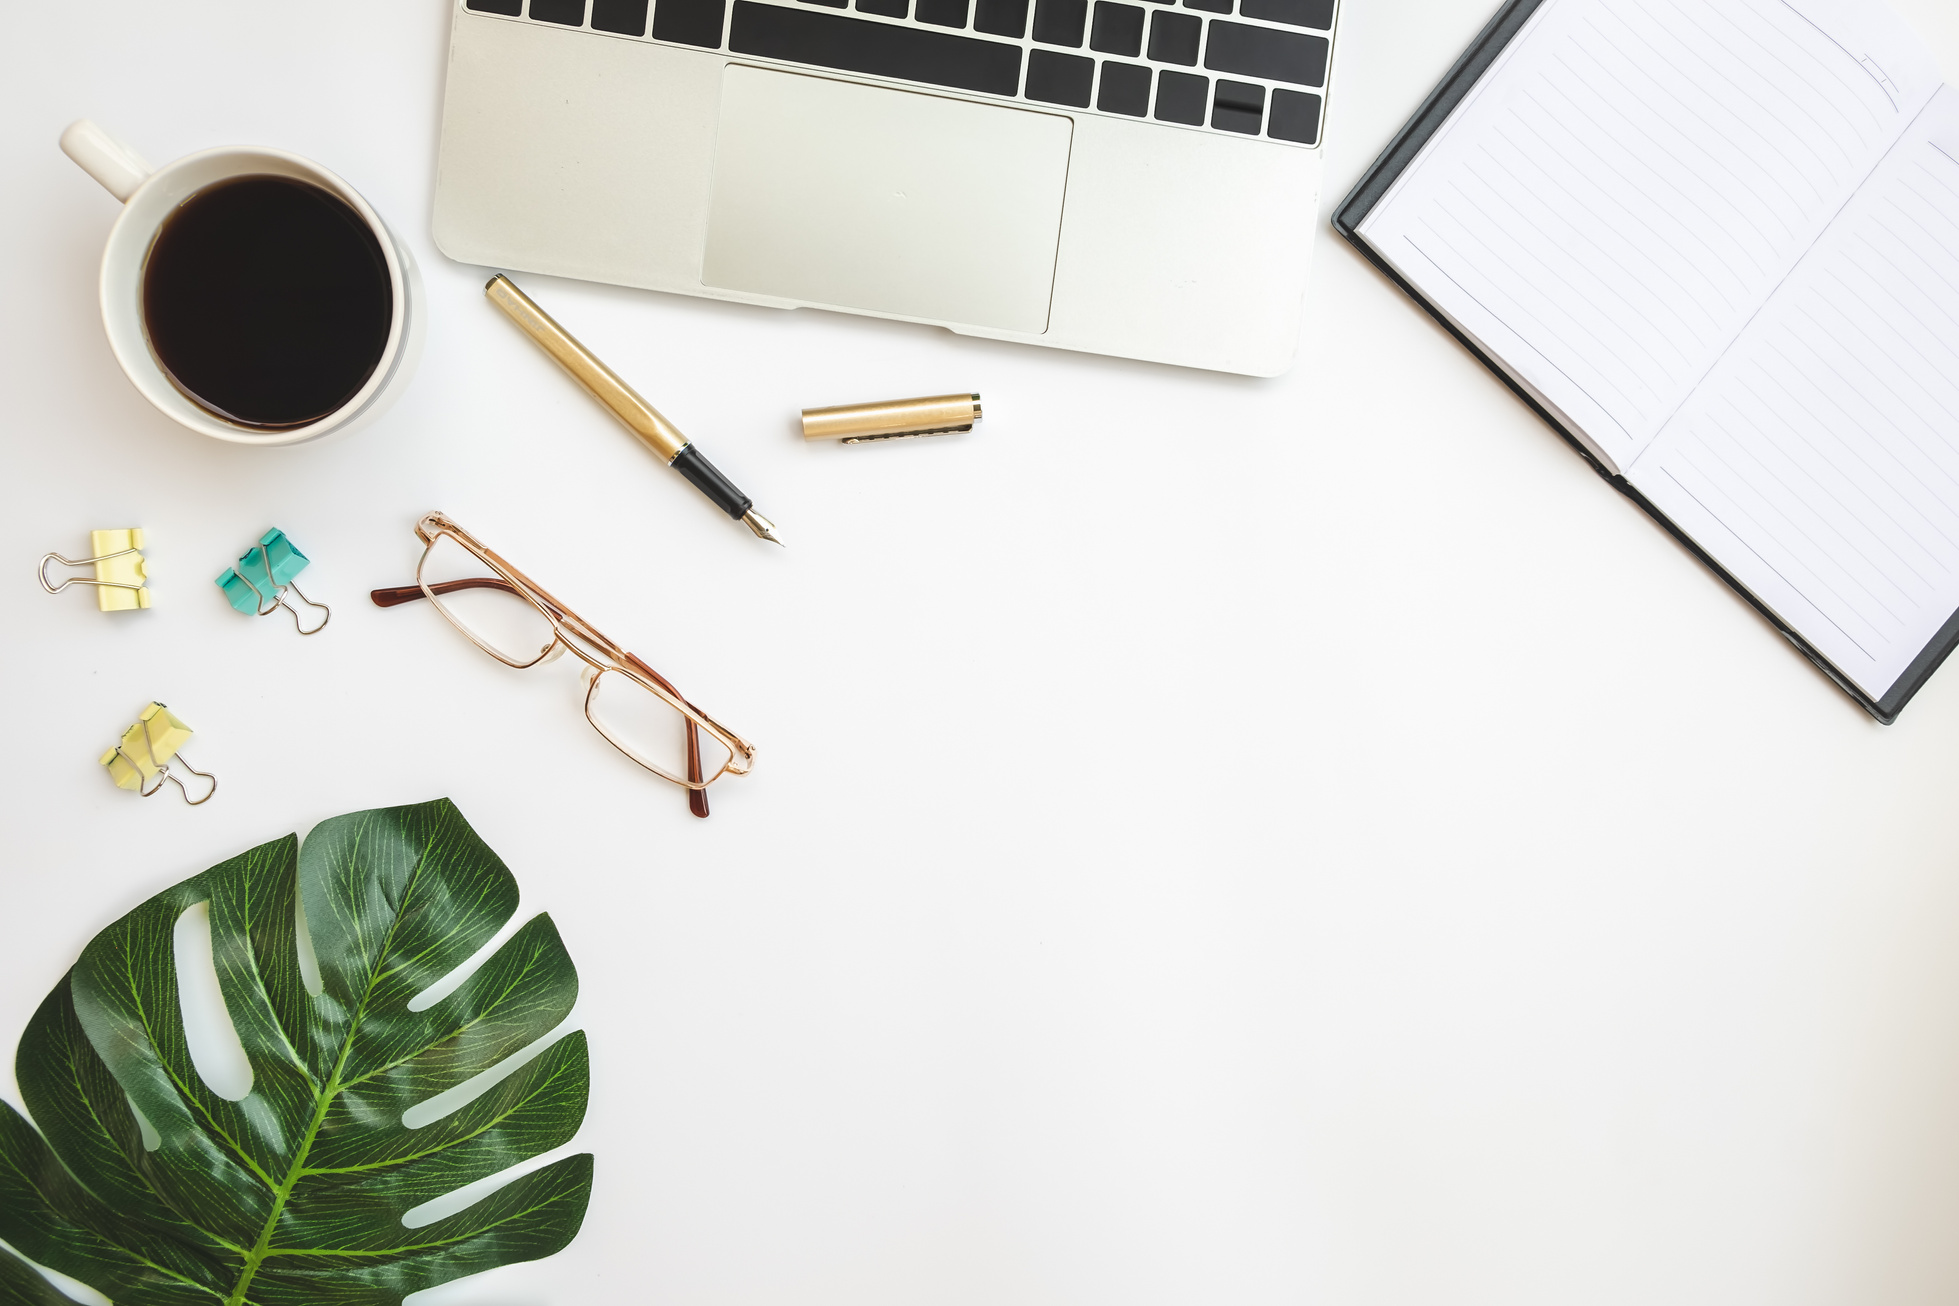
pixel 267 300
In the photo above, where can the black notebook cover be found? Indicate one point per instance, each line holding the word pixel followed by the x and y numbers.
pixel 1401 152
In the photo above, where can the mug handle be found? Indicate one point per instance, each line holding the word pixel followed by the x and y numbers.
pixel 120 169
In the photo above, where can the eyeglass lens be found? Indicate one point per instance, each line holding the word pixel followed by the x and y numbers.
pixel 506 625
pixel 647 728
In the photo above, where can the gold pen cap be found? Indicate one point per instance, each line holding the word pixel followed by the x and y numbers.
pixel 895 419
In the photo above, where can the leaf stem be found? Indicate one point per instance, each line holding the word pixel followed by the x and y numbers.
pixel 297 1170
pixel 256 1257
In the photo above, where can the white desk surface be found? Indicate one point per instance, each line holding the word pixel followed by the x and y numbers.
pixel 1303 841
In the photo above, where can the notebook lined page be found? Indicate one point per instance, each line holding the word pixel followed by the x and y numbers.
pixel 1819 462
pixel 1627 186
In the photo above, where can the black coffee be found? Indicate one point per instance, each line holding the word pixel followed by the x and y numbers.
pixel 267 301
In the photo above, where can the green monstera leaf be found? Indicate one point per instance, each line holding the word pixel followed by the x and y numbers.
pixel 144 1184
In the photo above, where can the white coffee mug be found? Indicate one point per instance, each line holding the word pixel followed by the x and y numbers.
pixel 149 198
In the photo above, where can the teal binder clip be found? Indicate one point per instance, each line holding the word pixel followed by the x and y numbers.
pixel 257 586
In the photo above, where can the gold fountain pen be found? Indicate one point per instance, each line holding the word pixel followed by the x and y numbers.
pixel 640 417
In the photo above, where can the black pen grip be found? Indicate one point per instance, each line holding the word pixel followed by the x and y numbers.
pixel 689 463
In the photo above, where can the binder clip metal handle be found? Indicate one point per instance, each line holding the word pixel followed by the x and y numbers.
pixel 52 588
pixel 164 771
pixel 267 606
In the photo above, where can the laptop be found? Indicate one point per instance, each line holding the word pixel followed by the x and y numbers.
pixel 1133 179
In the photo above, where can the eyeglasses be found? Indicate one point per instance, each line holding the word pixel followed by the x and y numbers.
pixel 514 620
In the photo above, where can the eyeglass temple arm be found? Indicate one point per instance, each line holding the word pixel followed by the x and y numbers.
pixel 400 594
pixel 696 798
pixel 397 595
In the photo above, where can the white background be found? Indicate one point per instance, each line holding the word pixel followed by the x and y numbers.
pixel 1213 840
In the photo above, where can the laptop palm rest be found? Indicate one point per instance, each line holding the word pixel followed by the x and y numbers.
pixel 887 201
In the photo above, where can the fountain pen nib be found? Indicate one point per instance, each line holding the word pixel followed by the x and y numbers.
pixel 762 526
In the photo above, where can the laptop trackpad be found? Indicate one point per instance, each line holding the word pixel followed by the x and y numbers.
pixel 892 201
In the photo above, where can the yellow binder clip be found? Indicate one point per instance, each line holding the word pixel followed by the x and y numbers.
pixel 141 762
pixel 121 576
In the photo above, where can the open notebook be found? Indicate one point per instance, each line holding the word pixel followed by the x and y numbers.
pixel 1716 242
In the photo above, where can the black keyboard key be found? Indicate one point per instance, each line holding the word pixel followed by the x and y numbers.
pixel 1125 89
pixel 1118 29
pixel 942 13
pixel 1001 18
pixel 857 45
pixel 1298 13
pixel 1238 107
pixel 885 8
pixel 829 4
pixel 688 22
pixel 509 8
pixel 1265 52
pixel 1209 6
pixel 569 12
pixel 1180 97
pixel 626 17
pixel 1060 22
pixel 1174 37
pixel 1059 78
pixel 1295 117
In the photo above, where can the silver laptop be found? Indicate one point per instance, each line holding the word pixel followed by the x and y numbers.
pixel 1130 179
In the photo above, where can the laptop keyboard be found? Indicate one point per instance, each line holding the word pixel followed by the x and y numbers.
pixel 1259 71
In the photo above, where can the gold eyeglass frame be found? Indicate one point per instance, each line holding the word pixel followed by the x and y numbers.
pixel 589 645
